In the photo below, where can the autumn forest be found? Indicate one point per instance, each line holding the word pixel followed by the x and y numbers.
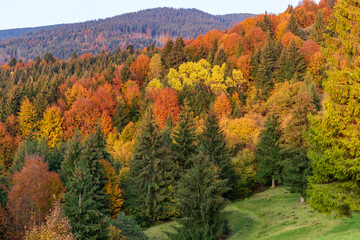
pixel 105 146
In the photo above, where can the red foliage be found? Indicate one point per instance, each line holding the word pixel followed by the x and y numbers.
pixel 34 192
pixel 8 145
pixel 306 13
pixel 244 64
pixel 84 115
pixel 104 100
pixel 309 48
pixel 165 103
pixel 140 68
pixel 253 38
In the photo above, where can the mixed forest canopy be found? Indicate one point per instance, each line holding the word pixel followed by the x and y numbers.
pixel 103 146
pixel 142 28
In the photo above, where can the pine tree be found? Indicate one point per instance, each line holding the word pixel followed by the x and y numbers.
pixel 177 54
pixel 291 63
pixel 268 151
pixel 212 52
pixel 264 74
pixel 166 54
pixel 240 49
pixel 4 186
pixel 184 139
pixel 333 135
pixel 220 57
pixel 86 202
pixel 201 202
pixel 71 157
pixel 293 26
pixel 297 166
pixel 150 174
pixel 266 25
pixel 212 144
pixel 318 29
pixel 202 52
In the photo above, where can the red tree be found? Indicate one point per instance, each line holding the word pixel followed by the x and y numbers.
pixel 140 68
pixel 165 103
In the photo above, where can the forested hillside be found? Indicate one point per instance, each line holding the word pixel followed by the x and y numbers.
pixel 140 29
pixel 20 31
pixel 104 146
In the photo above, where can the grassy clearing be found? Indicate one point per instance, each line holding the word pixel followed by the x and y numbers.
pixel 277 215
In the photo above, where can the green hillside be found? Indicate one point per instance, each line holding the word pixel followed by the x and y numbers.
pixel 277 215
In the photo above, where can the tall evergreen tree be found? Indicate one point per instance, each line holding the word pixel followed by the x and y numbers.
pixel 293 26
pixel 201 202
pixel 220 57
pixel 318 29
pixel 240 49
pixel 266 25
pixel 333 135
pixel 291 63
pixel 268 151
pixel 297 166
pixel 150 174
pixel 177 54
pixel 184 139
pixel 166 54
pixel 202 52
pixel 4 185
pixel 71 157
pixel 212 52
pixel 86 202
pixel 263 77
pixel 212 144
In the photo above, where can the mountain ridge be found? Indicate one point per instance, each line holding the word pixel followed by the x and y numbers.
pixel 140 29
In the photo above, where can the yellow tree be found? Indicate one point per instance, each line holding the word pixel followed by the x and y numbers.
pixel 51 125
pixel 27 119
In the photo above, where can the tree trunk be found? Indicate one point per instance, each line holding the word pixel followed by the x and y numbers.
pixel 273 183
pixel 302 199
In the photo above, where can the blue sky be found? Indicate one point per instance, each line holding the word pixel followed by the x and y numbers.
pixel 30 13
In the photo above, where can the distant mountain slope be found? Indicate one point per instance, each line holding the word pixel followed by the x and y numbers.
pixel 16 32
pixel 139 29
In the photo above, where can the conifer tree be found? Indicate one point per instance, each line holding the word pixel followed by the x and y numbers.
pixel 263 78
pixel 333 135
pixel 184 138
pixel 212 143
pixel 291 63
pixel 293 26
pixel 166 53
pixel 266 25
pixel 177 54
pixel 86 202
pixel 212 52
pixel 71 157
pixel 297 166
pixel 220 57
pixel 150 174
pixel 202 52
pixel 268 151
pixel 201 202
pixel 240 49
pixel 4 185
pixel 318 29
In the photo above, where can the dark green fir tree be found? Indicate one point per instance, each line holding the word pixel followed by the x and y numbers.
pixel 200 202
pixel 318 29
pixel 150 174
pixel 177 54
pixel 213 145
pixel 293 26
pixel 268 151
pixel 220 57
pixel 212 52
pixel 166 54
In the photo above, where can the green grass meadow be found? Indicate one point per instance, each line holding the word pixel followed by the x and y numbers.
pixel 277 214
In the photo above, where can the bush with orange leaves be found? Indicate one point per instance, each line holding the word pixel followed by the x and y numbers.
pixel 222 106
pixel 140 68
pixel 34 192
pixel 166 102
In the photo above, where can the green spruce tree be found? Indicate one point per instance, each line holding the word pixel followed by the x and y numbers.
pixel 177 54
pixel 333 135
pixel 213 145
pixel 220 57
pixel 318 28
pixel 200 202
pixel 184 139
pixel 150 174
pixel 212 52
pixel 166 54
pixel 86 203
pixel 268 151
pixel 293 26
